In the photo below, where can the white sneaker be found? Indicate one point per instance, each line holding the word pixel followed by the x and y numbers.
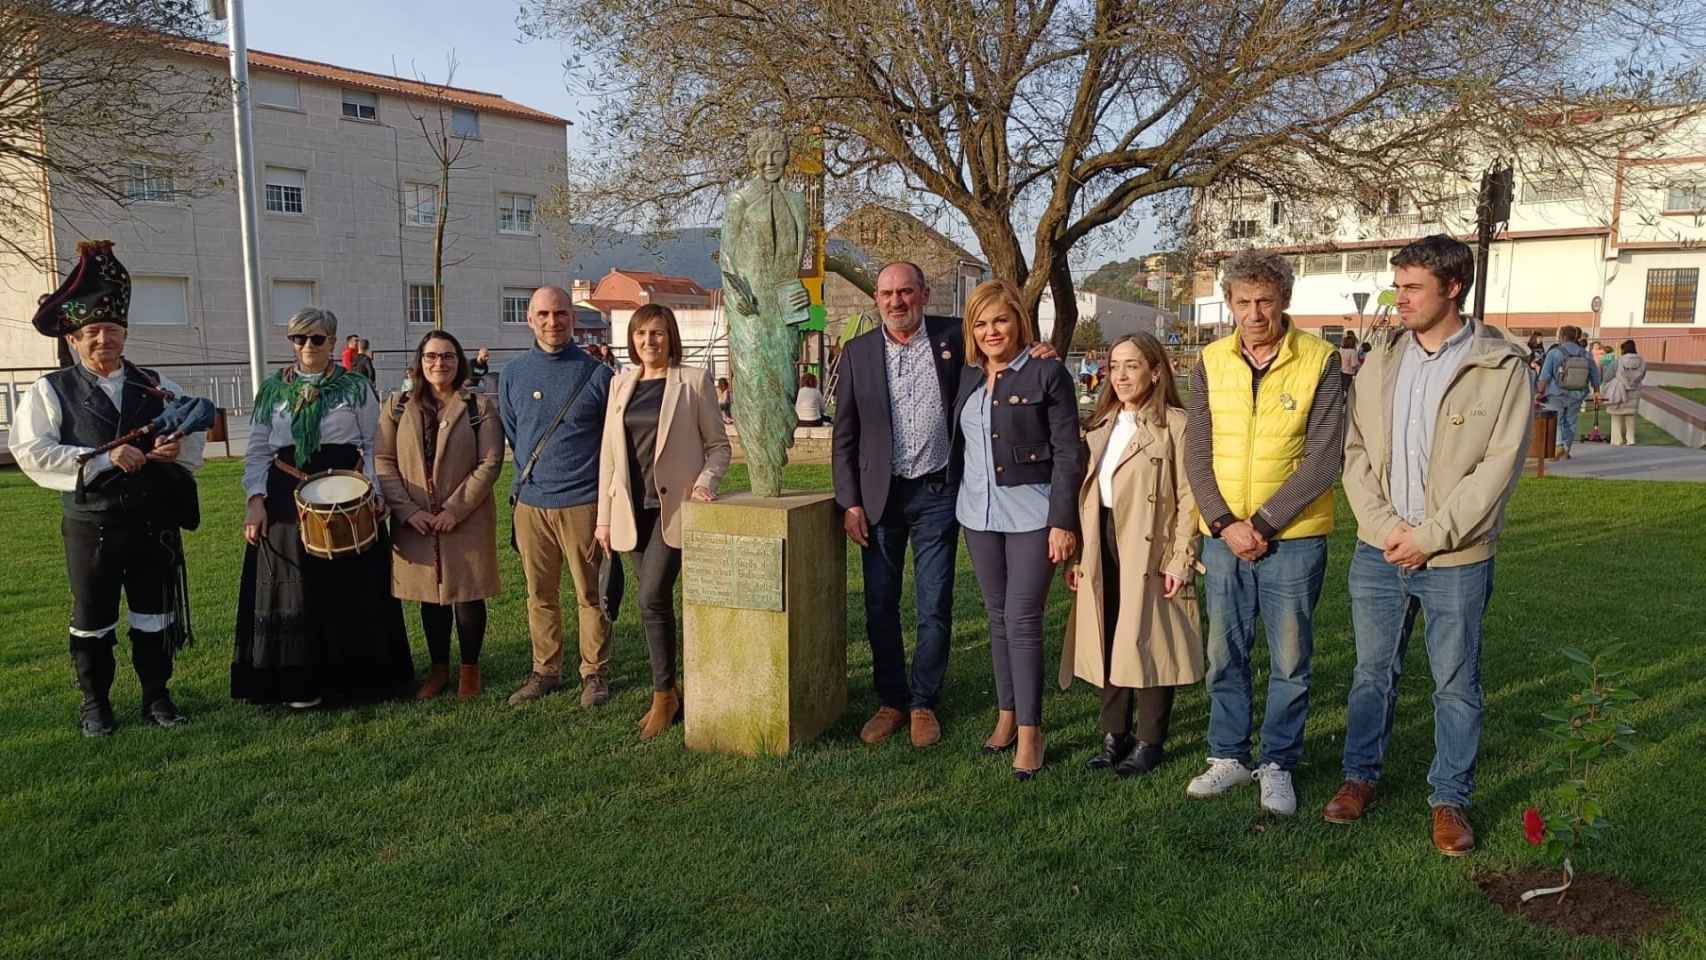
pixel 303 704
pixel 1222 775
pixel 1278 797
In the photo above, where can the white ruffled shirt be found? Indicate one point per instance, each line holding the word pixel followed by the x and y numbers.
pixel 358 426
pixel 34 436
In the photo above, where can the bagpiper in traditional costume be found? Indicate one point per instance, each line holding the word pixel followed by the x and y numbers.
pixel 111 437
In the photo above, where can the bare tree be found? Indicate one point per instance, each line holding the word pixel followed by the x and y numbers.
pixel 95 111
pixel 448 145
pixel 1065 114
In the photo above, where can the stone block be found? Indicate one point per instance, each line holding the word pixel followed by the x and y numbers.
pixel 757 679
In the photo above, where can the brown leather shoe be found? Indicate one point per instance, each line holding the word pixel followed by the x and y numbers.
pixel 1350 803
pixel 468 683
pixel 926 729
pixel 1453 835
pixel 882 725
pixel 595 690
pixel 537 685
pixel 666 707
pixel 436 680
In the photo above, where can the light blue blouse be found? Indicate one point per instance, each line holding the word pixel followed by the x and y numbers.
pixel 982 504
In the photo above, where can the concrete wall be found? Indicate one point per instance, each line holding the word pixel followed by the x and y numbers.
pixel 350 242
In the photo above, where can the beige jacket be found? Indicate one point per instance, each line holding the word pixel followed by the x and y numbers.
pixel 692 450
pixel 1478 448
pixel 1157 641
pixel 460 565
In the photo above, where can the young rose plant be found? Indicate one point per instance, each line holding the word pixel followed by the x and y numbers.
pixel 1589 728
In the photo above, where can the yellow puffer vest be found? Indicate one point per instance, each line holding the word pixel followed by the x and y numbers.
pixel 1254 455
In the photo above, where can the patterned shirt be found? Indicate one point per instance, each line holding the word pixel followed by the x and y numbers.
pixel 1416 396
pixel 920 432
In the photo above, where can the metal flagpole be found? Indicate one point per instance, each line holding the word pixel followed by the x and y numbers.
pixel 231 11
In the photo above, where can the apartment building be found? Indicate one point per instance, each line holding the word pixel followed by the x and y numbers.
pixel 349 205
pixel 1618 254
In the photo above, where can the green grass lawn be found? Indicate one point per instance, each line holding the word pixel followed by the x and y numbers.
pixel 483 831
pixel 1697 394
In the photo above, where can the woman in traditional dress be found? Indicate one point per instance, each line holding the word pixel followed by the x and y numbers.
pixel 308 628
pixel 440 449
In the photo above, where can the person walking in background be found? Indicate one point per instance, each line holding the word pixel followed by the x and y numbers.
pixel 352 349
pixel 892 446
pixel 1605 359
pixel 725 399
pixel 808 402
pixel 439 454
pixel 663 444
pixel 363 363
pixel 1264 440
pixel 552 401
pixel 1622 393
pixel 1017 455
pixel 1431 457
pixel 1567 376
pixel 1134 627
pixel 411 376
pixel 1350 358
pixel 478 368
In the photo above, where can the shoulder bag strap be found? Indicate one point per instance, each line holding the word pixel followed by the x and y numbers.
pixel 538 448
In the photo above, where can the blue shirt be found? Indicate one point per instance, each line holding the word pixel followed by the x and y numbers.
pixel 984 505
pixel 1549 372
pixel 532 389
pixel 1416 398
pixel 919 434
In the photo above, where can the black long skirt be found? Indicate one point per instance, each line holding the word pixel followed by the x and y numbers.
pixel 308 627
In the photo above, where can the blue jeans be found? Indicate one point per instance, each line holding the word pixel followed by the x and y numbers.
pixel 1282 587
pixel 1568 406
pixel 920 510
pixel 1385 601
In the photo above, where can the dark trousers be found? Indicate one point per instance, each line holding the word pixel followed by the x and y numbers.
pixel 657 566
pixel 1150 707
pixel 1014 571
pixel 470 619
pixel 920 510
pixel 103 558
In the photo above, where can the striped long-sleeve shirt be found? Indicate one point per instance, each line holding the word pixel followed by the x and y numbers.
pixel 1323 453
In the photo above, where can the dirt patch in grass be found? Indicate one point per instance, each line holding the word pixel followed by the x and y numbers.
pixel 1594 906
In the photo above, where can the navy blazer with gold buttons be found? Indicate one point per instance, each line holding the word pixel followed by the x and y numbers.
pixel 1033 432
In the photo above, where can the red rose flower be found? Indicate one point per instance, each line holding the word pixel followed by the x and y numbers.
pixel 1534 826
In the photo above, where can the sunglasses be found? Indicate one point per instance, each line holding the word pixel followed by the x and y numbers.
pixel 317 339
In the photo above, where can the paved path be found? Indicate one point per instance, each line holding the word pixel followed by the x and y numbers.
pixel 1606 462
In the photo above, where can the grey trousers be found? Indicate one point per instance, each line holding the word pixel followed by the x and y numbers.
pixel 1014 572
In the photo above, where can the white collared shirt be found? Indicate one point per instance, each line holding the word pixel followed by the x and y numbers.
pixel 51 464
pixel 1125 428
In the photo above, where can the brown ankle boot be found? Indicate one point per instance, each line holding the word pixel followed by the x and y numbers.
pixel 436 680
pixel 665 707
pixel 468 684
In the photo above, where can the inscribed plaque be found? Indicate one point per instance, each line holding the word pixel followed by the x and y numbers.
pixel 725 570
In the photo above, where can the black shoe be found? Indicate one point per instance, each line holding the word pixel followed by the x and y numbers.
pixel 164 713
pixel 97 718
pixel 1142 759
pixel 1115 746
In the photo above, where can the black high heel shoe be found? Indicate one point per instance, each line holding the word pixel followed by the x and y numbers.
pixel 1023 774
pixel 993 748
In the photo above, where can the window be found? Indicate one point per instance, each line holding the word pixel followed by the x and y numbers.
pixel 1333 335
pixel 1670 295
pixel 1685 197
pixel 289 296
pixel 1364 261
pixel 275 90
pixel 421 303
pixel 1241 229
pixel 515 304
pixel 515 213
pixel 1276 213
pixel 359 105
pixel 420 204
pixel 160 301
pixel 1543 186
pixel 145 181
pixel 285 190
pixel 1320 264
pixel 465 122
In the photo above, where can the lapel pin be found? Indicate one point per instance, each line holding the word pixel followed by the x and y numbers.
pixel 1286 402
pixel 537 395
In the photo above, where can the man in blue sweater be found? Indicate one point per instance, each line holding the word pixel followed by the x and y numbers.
pixel 556 490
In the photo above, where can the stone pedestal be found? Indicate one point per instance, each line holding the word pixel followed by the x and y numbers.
pixel 764 611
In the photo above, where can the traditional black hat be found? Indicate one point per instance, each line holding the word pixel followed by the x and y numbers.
pixel 97 291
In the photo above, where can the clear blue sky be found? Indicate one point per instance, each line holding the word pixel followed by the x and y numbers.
pixel 403 38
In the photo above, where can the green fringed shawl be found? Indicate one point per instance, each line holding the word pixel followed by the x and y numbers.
pixel 307 400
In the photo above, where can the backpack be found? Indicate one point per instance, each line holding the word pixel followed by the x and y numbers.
pixel 1575 372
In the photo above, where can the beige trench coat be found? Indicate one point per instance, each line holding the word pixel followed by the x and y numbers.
pixel 1157 641
pixel 692 450
pixel 465 564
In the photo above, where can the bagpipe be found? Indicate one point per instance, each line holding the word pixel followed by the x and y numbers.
pixel 182 416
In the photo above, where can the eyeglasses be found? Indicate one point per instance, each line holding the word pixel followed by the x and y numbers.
pixel 438 358
pixel 317 339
